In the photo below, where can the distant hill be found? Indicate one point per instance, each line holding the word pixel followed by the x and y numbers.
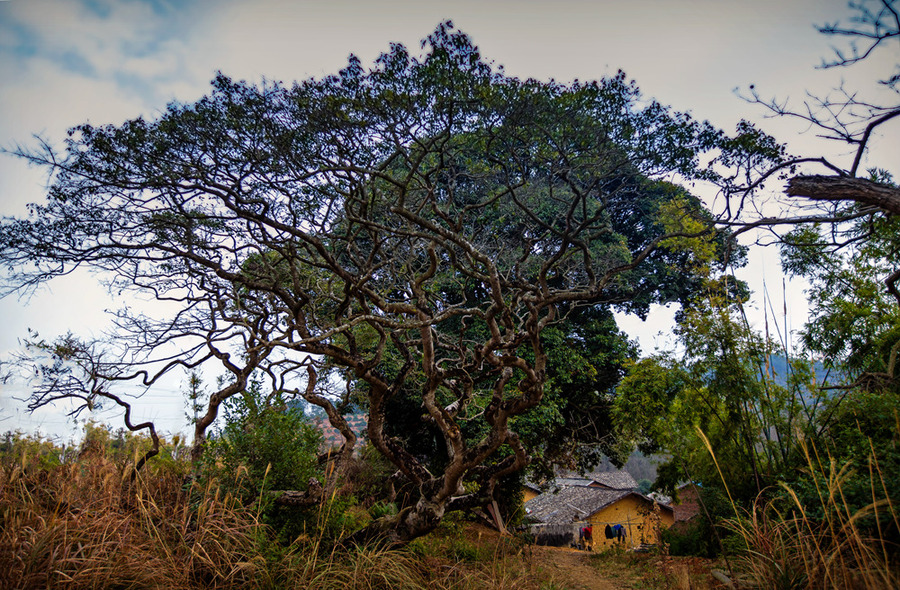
pixel 781 371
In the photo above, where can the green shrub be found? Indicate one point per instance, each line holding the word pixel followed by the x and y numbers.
pixel 266 445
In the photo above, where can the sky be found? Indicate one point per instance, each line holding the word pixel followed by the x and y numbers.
pixel 67 62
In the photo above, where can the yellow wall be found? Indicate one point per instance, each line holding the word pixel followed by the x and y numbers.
pixel 529 494
pixel 636 515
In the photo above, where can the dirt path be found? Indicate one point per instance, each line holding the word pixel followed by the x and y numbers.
pixel 571 569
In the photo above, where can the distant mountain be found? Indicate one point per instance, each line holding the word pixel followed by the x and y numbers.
pixel 781 371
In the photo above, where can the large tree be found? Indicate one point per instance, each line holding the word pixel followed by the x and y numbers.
pixel 412 229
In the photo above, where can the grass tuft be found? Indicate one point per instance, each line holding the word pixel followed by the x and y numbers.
pixel 786 548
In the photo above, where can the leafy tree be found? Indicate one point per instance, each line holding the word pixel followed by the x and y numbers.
pixel 720 396
pixel 854 323
pixel 587 356
pixel 266 445
pixel 838 229
pixel 843 240
pixel 410 231
pixel 854 326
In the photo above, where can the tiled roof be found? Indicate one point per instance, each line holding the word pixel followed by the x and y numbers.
pixel 617 480
pixel 568 482
pixel 570 504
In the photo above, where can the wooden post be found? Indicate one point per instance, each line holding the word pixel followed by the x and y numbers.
pixel 495 514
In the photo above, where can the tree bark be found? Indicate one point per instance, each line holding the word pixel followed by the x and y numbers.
pixel 401 528
pixel 312 496
pixel 843 188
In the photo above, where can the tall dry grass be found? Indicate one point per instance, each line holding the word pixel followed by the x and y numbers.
pixel 784 547
pixel 88 525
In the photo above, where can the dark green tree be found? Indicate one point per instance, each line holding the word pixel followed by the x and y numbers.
pixel 413 230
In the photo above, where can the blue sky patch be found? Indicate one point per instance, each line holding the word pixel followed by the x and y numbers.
pixel 98 8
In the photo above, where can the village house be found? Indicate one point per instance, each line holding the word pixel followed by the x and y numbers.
pixel 616 517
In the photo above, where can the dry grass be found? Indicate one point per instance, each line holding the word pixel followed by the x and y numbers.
pixel 788 549
pixel 650 571
pixel 87 525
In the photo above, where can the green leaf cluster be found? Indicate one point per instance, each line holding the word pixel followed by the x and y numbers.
pixel 263 444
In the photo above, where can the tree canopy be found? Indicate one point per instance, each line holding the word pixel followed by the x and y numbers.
pixel 429 228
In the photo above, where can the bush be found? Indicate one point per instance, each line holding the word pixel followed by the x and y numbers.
pixel 697 536
pixel 686 538
pixel 265 445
